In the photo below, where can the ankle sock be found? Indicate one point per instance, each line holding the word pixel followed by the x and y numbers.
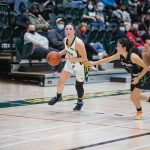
pixel 79 100
pixel 58 95
pixel 139 109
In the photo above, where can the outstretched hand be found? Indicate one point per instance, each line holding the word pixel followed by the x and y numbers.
pixel 90 63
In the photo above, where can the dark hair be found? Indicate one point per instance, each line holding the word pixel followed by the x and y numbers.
pixel 71 25
pixel 146 36
pixel 126 43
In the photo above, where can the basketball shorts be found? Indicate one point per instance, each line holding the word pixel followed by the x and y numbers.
pixel 77 69
pixel 144 83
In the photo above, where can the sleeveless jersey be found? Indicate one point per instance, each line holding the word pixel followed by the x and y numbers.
pixel 135 69
pixel 70 49
pixel 130 67
pixel 72 52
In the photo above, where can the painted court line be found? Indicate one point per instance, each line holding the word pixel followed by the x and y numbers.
pixel 74 124
pixel 110 141
pixel 71 133
pixel 71 125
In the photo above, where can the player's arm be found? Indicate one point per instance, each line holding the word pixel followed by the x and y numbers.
pixel 105 60
pixel 137 60
pixel 63 52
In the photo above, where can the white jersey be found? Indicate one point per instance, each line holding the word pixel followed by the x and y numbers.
pixel 77 67
pixel 70 50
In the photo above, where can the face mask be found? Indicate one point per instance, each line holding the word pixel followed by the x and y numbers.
pixel 83 31
pixel 134 30
pixel 142 32
pixel 122 29
pixel 60 26
pixel 100 8
pixel 90 7
pixel 32 32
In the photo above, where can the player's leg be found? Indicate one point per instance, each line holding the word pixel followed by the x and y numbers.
pixel 64 76
pixel 135 97
pixel 145 98
pixel 80 93
pixel 80 75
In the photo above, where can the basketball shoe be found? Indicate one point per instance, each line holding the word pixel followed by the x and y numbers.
pixel 54 100
pixel 139 115
pixel 78 106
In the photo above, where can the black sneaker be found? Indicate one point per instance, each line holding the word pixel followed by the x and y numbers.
pixel 78 106
pixel 54 100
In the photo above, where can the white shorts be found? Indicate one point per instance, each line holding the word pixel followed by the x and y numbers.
pixel 76 68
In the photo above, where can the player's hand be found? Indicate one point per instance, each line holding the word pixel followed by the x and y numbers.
pixel 67 58
pixel 90 63
pixel 135 80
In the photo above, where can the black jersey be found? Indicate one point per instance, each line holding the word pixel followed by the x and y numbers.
pixel 135 69
pixel 130 67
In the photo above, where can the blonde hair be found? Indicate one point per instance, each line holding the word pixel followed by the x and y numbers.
pixel 83 24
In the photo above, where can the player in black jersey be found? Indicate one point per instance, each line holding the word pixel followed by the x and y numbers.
pixel 135 65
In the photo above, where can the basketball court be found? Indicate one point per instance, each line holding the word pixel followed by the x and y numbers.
pixel 105 122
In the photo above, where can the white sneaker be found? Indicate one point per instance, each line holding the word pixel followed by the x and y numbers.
pixel 93 68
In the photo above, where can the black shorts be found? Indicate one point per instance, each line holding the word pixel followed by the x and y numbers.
pixel 144 83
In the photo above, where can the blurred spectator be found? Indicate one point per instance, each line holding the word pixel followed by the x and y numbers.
pixel 16 4
pixel 143 28
pixel 146 21
pixel 122 15
pixel 90 16
pixel 134 35
pixel 23 19
pixel 91 48
pixel 109 3
pixel 146 38
pixel 143 7
pixel 119 32
pixel 40 43
pixel 77 3
pixel 36 19
pixel 100 12
pixel 83 34
pixel 133 10
pixel 56 35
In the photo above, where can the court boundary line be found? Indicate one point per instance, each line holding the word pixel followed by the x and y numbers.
pixel 110 141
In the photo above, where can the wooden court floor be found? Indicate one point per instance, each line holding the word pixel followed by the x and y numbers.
pixel 105 122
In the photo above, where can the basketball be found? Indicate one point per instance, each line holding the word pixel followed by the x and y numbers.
pixel 53 58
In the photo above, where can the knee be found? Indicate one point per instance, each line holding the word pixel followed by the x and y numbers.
pixel 134 96
pixel 80 89
pixel 79 85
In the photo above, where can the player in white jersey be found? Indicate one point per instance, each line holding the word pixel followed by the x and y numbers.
pixel 75 58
